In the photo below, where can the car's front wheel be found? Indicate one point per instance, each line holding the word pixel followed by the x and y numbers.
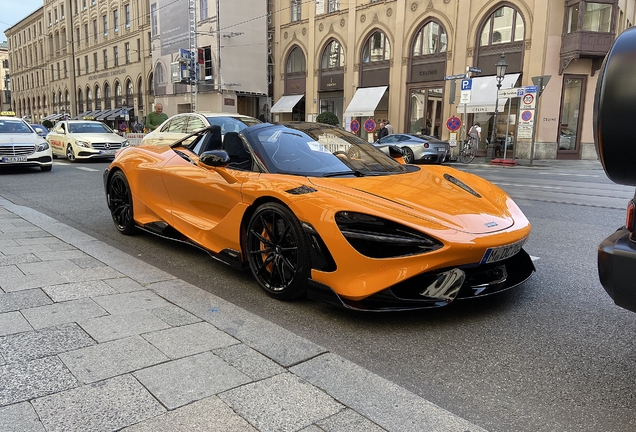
pixel 408 155
pixel 119 198
pixel 277 252
pixel 70 154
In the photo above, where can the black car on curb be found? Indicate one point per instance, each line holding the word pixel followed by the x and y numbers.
pixel 614 110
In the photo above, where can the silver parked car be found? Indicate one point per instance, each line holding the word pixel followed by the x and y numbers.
pixel 418 148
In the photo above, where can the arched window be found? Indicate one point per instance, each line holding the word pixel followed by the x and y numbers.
pixel 332 56
pixel 151 87
pixel 117 93
pixel 505 25
pixel 98 97
pixel 140 95
pixel 160 76
pixel 89 99
pixel 54 101
pixel 431 39
pixel 80 101
pixel 377 48
pixel 129 94
pixel 296 61
pixel 107 99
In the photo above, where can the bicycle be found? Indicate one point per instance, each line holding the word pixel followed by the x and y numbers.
pixel 467 153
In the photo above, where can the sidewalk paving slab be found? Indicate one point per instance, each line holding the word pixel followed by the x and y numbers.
pixel 100 340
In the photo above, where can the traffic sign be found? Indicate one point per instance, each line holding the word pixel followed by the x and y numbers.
pixel 467 84
pixel 510 93
pixel 452 77
pixel 369 125
pixel 453 123
pixel 543 79
pixel 474 69
pixel 531 89
pixel 354 126
pixel 465 96
pixel 527 117
pixel 528 99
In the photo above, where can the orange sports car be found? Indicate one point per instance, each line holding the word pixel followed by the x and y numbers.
pixel 314 210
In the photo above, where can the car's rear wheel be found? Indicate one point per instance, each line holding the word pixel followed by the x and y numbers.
pixel 70 154
pixel 408 155
pixel 119 200
pixel 277 252
pixel 46 167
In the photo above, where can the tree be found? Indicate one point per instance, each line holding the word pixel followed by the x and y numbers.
pixel 329 118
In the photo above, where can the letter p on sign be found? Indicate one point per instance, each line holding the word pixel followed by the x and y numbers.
pixel 467 84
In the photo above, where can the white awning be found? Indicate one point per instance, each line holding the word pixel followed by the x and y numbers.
pixel 286 104
pixel 365 101
pixel 484 94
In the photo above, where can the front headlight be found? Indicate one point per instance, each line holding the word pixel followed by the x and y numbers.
pixel 125 143
pixel 83 144
pixel 43 146
pixel 381 238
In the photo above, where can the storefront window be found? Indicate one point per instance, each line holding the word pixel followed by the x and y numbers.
pixel 426 111
pixel 573 88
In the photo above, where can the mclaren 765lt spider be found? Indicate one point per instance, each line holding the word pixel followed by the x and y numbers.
pixel 313 210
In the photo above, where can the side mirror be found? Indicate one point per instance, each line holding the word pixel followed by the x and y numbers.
pixel 395 152
pixel 214 158
pixel 614 110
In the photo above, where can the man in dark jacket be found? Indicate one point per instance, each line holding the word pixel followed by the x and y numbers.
pixel 383 131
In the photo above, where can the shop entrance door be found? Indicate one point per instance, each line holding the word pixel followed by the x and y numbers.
pixel 425 113
pixel 569 139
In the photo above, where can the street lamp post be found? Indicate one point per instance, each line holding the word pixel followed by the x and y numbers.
pixel 501 72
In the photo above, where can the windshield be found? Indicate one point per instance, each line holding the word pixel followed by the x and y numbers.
pixel 88 128
pixel 232 124
pixel 10 126
pixel 320 150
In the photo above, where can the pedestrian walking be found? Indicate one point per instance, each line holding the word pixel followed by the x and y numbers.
pixel 155 118
pixel 383 131
pixel 389 127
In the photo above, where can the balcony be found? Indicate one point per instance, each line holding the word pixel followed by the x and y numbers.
pixel 585 44
pixel 589 30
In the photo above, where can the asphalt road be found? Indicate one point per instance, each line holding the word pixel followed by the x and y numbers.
pixel 554 354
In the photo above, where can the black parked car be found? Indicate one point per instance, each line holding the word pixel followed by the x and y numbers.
pixel 614 109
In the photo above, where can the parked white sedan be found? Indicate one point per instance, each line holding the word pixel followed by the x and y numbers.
pixel 83 139
pixel 21 146
pixel 181 125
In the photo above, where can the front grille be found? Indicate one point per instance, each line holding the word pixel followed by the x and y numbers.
pixel 106 146
pixel 16 149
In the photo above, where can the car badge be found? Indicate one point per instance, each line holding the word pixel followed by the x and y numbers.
pixel 491 224
pixel 106 145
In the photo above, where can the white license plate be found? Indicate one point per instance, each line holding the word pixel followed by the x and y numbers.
pixel 501 253
pixel 14 159
pixel 108 152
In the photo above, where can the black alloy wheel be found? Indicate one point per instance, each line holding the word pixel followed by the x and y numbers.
pixel 120 203
pixel 408 155
pixel 277 252
pixel 70 154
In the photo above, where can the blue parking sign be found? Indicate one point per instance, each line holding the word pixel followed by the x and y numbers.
pixel 467 84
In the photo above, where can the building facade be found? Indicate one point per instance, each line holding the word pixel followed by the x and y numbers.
pixel 230 38
pixel 82 58
pixel 393 59
pixel 5 82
